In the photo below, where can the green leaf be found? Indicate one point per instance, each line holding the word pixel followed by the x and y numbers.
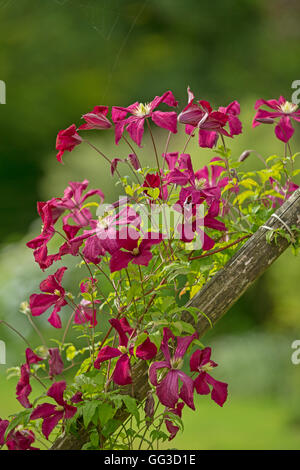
pixel 131 406
pixel 105 413
pixel 88 412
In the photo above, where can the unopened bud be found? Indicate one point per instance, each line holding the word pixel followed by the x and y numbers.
pixel 265 120
pixel 149 407
pixel 244 155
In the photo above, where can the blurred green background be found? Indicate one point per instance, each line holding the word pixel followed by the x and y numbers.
pixel 58 59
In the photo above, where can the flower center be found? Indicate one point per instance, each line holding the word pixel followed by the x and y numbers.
pixel 59 408
pixel 288 107
pixel 57 292
pixel 122 349
pixel 200 183
pixel 206 367
pixel 176 363
pixel 142 110
pixel 135 251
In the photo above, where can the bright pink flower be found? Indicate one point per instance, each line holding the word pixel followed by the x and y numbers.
pixel 200 362
pixel 200 115
pixel 56 365
pixel 196 225
pixel 77 398
pixel 66 140
pixel 84 313
pixel 131 248
pixel 3 426
pixel 52 414
pixel 54 295
pixel 286 191
pixel 23 388
pixel 280 109
pixel 74 199
pixel 134 124
pixel 171 427
pixel 96 119
pixel 167 389
pixel 145 351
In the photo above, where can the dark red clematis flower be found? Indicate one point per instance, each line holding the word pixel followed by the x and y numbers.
pixel 66 140
pixel 200 362
pixel 130 248
pixel 282 109
pixel 96 119
pixel 171 427
pixel 154 181
pixel 167 388
pixel 200 115
pixel 56 365
pixel 18 439
pixel 54 295
pixel 85 313
pixel 134 124
pixel 145 351
pixel 23 388
pixel 52 414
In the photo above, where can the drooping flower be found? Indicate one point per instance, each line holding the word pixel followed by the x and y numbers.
pixel 134 124
pixel 167 386
pixel 52 414
pixel 54 296
pixel 200 362
pixel 130 247
pixel 56 365
pixel 96 119
pixel 145 351
pixel 282 109
pixel 23 388
pixel 171 427
pixel 66 140
pixel 200 115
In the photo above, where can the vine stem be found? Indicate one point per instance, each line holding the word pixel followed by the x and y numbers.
pixel 212 252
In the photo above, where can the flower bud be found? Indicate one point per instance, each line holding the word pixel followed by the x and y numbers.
pixel 245 155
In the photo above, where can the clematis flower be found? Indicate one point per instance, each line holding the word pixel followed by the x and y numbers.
pixel 200 362
pixel 85 313
pixel 134 124
pixel 130 247
pixel 195 225
pixel 24 388
pixel 74 199
pixel 282 109
pixel 54 295
pixel 286 191
pixel 56 365
pixel 52 414
pixel 171 427
pixel 145 351
pixel 154 181
pixel 200 115
pixel 96 119
pixel 167 387
pixel 66 140
pixel 18 439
